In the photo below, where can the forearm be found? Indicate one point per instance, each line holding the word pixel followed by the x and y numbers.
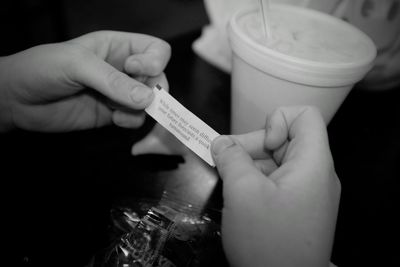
pixel 6 121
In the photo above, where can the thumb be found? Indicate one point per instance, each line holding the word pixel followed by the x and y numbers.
pixel 232 161
pixel 93 72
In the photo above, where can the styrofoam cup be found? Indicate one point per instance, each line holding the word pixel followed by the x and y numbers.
pixel 312 59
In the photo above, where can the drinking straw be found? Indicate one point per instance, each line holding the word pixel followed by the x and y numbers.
pixel 264 7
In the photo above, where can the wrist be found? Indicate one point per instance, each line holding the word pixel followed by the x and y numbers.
pixel 6 121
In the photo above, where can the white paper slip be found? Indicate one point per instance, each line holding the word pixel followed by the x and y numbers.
pixel 183 124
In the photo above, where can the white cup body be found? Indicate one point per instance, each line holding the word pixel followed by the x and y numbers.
pixel 263 79
pixel 250 104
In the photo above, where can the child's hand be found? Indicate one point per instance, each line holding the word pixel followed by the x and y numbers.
pixel 281 192
pixel 50 87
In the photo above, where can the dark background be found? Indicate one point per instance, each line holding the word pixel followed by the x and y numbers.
pixel 58 188
pixel 25 23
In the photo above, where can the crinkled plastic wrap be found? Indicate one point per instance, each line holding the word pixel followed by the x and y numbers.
pixel 167 233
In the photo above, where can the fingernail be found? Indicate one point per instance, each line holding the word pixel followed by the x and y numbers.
pixel 221 144
pixel 140 93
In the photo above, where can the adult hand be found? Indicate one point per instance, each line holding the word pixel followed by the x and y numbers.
pixel 82 83
pixel 281 192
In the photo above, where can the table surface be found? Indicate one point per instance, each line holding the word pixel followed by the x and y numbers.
pixel 61 186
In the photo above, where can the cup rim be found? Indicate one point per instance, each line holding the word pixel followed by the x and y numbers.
pixel 348 72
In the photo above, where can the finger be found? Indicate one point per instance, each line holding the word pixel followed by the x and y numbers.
pixel 89 70
pixel 116 47
pixel 150 61
pixel 266 166
pixel 253 144
pixel 140 78
pixel 159 79
pixel 128 119
pixel 277 130
pixel 232 161
pixel 149 81
pixel 241 177
pixel 303 127
pixel 280 154
pixel 153 81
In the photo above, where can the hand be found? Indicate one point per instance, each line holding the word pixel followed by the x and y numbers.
pixel 281 192
pixel 81 83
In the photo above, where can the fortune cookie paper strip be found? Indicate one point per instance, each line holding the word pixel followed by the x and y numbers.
pixel 183 124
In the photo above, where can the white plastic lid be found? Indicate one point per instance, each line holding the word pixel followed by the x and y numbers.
pixel 311 67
